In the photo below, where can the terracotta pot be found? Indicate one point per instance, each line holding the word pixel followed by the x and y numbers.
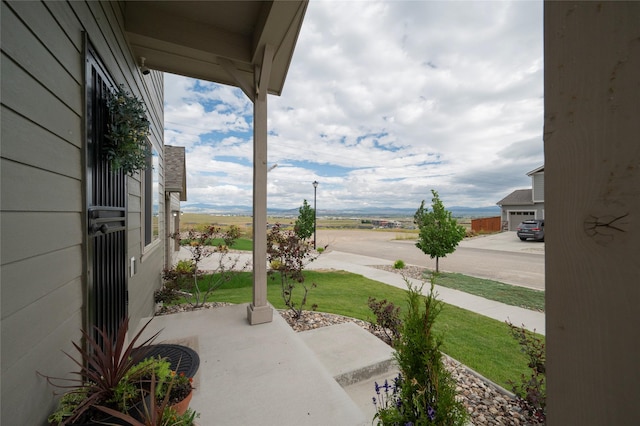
pixel 181 407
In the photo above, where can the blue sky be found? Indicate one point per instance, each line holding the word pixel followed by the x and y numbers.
pixel 383 102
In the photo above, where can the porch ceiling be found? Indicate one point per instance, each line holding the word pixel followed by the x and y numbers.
pixel 202 39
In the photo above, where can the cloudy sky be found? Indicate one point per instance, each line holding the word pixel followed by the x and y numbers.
pixel 383 102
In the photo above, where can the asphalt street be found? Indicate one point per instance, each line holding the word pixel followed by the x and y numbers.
pixel 501 257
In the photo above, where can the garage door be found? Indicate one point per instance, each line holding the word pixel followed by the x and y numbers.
pixel 516 217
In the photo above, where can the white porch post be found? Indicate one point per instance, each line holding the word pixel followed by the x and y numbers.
pixel 259 311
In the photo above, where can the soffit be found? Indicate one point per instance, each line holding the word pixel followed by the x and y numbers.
pixel 194 38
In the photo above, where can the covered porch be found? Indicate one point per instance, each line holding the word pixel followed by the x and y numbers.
pixel 245 44
pixel 261 375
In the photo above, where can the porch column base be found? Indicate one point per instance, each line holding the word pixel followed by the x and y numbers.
pixel 259 314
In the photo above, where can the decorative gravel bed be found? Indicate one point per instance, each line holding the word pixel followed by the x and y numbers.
pixel 486 403
pixel 409 271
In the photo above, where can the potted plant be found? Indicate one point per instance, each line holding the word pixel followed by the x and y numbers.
pixel 126 146
pixel 158 409
pixel 105 375
pixel 168 383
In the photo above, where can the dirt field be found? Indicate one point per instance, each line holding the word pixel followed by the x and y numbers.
pixel 190 220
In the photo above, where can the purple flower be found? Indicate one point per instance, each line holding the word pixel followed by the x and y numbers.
pixel 375 402
pixel 431 413
pixel 377 388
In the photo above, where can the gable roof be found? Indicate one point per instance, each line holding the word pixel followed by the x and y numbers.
pixel 537 170
pixel 175 178
pixel 519 197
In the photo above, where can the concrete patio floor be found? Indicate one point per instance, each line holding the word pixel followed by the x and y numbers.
pixel 264 374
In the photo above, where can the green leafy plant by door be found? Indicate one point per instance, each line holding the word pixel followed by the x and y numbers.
pixel 126 144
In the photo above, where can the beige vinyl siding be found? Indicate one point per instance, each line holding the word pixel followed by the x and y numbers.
pixel 23 189
pixel 16 275
pixel 43 190
pixel 39 147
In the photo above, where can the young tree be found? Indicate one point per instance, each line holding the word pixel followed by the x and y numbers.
pixel 287 255
pixel 305 222
pixel 439 232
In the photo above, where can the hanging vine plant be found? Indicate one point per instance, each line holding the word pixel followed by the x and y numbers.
pixel 126 146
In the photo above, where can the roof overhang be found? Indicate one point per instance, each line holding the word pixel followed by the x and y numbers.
pixel 219 41
pixel 536 170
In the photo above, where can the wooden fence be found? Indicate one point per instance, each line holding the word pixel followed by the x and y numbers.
pixel 486 224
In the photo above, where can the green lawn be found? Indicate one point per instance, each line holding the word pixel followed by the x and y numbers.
pixel 240 244
pixel 479 342
pixel 493 290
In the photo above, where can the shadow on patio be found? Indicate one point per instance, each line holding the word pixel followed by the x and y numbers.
pixel 261 375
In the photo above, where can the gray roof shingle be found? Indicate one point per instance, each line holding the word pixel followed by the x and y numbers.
pixel 175 177
pixel 519 197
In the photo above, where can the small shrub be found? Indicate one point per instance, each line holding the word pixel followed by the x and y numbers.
pixel 186 266
pixel 320 250
pixel 178 278
pixel 388 320
pixel 166 295
pixel 531 393
pixel 399 264
pixel 275 264
pixel 425 391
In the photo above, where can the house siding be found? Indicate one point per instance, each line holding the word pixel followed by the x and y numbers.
pixel 538 187
pixel 42 222
pixel 173 223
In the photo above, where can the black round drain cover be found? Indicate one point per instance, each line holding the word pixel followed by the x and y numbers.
pixel 183 359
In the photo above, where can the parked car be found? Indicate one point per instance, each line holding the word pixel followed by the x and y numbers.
pixel 531 229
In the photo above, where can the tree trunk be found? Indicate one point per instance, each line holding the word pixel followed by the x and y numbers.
pixel 437 264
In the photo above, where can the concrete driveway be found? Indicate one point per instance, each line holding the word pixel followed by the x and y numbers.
pixel 504 241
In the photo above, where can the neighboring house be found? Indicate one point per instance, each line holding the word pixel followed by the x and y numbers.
pixel 524 204
pixel 62 270
pixel 175 188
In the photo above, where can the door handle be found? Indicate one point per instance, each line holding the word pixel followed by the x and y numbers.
pixel 102 228
pixel 106 219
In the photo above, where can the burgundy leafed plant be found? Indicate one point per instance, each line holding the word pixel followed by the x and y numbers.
pixel 102 366
pixel 288 254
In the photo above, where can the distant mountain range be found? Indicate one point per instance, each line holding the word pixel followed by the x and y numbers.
pixel 456 211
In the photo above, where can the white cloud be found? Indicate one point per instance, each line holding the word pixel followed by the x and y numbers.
pixel 383 102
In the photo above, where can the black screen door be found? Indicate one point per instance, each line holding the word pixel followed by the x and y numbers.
pixel 106 211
